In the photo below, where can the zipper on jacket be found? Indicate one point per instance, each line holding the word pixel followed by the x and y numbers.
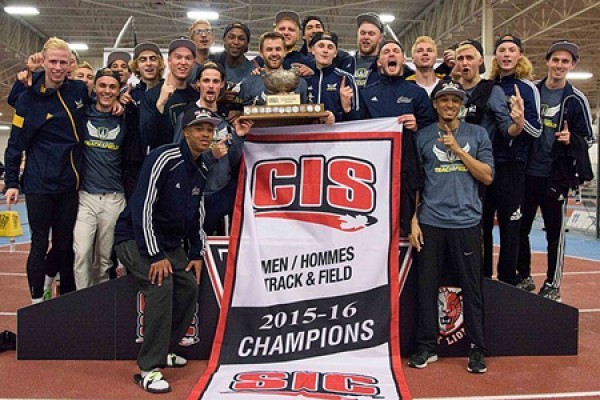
pixel 76 138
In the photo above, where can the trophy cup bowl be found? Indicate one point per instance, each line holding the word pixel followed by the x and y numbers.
pixel 282 81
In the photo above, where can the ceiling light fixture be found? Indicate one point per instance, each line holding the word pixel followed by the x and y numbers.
pixel 209 15
pixel 21 10
pixel 579 75
pixel 386 18
pixel 78 46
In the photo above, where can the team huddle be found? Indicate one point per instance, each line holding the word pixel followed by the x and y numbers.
pixel 141 174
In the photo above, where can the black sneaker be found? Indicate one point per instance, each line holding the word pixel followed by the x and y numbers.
pixel 550 293
pixel 526 284
pixel 476 361
pixel 421 358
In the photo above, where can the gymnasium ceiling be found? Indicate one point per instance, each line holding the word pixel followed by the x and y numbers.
pixel 98 23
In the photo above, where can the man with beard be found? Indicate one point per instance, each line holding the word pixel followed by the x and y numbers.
pixel 163 103
pixel 445 228
pixel 313 24
pixel 288 24
pixel 331 86
pixel 392 96
pixel 369 35
pixel 272 50
pixel 221 184
pixel 558 161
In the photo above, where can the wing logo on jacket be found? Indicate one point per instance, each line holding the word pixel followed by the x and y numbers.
pixel 103 133
pixel 448 156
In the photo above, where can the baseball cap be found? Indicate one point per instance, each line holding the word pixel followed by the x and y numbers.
pixel 239 25
pixel 324 36
pixel 287 14
pixel 509 39
pixel 118 55
pixel 564 45
pixel 187 43
pixel 199 115
pixel 371 18
pixel 108 72
pixel 448 87
pixel 146 47
pixel 477 45
pixel 386 42
pixel 306 20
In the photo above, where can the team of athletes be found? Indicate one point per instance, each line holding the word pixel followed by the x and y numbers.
pixel 144 172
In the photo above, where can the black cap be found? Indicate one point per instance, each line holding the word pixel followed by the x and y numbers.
pixel 239 25
pixel 146 47
pixel 108 72
pixel 324 36
pixel 388 41
pixel 448 87
pixel 118 55
pixel 306 20
pixel 477 45
pixel 564 45
pixel 199 115
pixel 187 43
pixel 509 39
pixel 289 14
pixel 371 18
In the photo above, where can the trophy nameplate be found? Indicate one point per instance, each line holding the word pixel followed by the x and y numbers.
pixel 283 106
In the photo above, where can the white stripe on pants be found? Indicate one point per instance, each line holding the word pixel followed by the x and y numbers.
pixel 94 236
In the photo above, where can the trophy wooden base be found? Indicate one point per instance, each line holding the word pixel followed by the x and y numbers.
pixel 284 119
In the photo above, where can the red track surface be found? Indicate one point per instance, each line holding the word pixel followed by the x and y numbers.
pixel 573 377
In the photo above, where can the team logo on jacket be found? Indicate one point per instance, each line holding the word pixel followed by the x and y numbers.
pixel 191 335
pixel 79 103
pixel 450 310
pixel 403 100
pixel 339 193
pixel 331 87
pixel 307 384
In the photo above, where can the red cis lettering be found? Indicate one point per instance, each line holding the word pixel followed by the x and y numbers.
pixel 350 187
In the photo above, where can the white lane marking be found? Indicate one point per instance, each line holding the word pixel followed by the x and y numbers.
pixel 13 274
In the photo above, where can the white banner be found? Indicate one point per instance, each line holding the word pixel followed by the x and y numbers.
pixel 311 301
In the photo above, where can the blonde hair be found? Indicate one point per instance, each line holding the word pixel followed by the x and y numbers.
pixel 424 39
pixel 133 66
pixel 464 47
pixel 523 69
pixel 196 23
pixel 56 43
pixel 86 65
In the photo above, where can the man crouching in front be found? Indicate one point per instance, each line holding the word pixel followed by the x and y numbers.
pixel 164 211
pixel 456 156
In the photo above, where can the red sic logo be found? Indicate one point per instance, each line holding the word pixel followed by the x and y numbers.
pixel 334 386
